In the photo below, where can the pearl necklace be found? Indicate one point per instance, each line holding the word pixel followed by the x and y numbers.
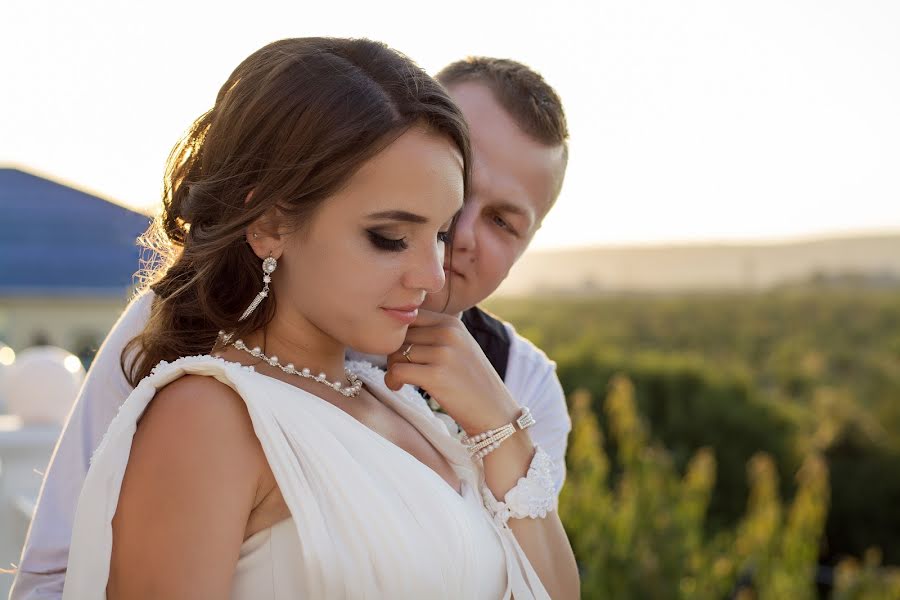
pixel 351 391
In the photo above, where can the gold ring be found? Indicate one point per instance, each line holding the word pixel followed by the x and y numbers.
pixel 406 353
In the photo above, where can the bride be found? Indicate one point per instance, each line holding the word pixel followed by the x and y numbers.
pixel 306 212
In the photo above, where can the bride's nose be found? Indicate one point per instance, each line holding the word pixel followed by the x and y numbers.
pixel 426 272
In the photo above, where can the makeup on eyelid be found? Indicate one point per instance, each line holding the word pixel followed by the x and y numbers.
pixel 399 244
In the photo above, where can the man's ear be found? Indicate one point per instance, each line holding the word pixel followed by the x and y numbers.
pixel 266 235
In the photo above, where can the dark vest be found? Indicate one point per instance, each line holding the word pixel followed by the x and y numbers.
pixel 491 335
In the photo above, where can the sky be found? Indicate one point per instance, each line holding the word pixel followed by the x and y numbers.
pixel 695 120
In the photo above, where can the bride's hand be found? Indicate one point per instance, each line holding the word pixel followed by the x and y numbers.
pixel 447 362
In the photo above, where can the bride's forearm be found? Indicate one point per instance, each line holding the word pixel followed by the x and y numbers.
pixel 543 540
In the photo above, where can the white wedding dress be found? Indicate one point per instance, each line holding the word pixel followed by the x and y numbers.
pixel 368 519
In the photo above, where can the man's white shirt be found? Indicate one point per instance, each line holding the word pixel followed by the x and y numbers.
pixel 530 377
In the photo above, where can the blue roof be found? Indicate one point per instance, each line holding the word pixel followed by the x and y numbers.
pixel 56 240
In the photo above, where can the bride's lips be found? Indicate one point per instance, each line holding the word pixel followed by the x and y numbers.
pixel 404 314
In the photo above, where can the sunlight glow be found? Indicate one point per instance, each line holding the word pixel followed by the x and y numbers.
pixel 72 364
pixel 7 356
pixel 718 121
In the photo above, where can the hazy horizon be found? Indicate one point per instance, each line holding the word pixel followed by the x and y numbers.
pixel 744 267
pixel 700 123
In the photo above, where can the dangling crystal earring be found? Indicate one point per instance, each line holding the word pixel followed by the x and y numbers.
pixel 268 266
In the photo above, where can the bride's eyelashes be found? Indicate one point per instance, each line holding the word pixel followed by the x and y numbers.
pixel 385 243
pixel 398 245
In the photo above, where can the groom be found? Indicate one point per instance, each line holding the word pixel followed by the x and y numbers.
pixel 519 142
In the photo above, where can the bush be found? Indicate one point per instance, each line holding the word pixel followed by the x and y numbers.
pixel 637 527
pixel 690 405
pixel 788 372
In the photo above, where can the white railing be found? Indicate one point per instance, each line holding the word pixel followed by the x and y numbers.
pixel 24 453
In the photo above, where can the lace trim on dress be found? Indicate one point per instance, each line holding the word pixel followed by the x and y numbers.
pixel 533 496
pixel 166 366
pixel 154 373
pixel 407 392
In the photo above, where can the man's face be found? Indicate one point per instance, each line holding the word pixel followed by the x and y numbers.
pixel 514 182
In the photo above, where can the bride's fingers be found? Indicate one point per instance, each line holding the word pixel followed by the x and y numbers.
pixel 428 317
pixel 403 373
pixel 435 334
pixel 421 354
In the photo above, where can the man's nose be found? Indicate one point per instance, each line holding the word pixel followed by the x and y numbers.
pixel 464 233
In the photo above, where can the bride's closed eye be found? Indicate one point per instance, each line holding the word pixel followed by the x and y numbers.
pixel 385 243
pixel 398 245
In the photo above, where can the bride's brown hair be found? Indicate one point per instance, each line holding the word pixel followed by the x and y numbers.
pixel 294 121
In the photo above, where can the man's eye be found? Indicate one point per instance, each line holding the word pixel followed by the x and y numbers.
pixel 502 224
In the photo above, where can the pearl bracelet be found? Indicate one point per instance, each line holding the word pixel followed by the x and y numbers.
pixel 484 443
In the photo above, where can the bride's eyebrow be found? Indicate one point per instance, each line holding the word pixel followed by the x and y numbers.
pixel 398 215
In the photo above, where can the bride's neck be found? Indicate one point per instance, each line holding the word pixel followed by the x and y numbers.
pixel 301 343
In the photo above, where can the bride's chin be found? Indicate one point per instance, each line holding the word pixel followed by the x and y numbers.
pixel 386 344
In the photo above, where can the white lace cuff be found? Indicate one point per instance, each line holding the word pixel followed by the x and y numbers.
pixel 533 496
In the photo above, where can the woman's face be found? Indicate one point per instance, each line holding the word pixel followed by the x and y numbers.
pixel 376 245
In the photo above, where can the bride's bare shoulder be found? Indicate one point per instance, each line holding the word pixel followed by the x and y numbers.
pixel 191 482
pixel 203 419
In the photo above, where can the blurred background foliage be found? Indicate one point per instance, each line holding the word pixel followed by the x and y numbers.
pixel 729 445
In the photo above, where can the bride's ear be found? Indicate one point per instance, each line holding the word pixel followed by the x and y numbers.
pixel 267 235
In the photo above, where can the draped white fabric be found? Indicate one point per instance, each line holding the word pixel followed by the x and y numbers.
pixel 369 520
